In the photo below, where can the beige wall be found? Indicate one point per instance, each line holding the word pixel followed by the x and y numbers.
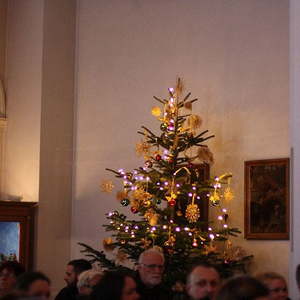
pixel 3 12
pixel 233 55
pixel 40 96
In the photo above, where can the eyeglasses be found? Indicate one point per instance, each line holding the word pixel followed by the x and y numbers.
pixel 153 266
pixel 277 290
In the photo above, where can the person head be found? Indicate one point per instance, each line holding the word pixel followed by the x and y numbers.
pixel 298 276
pixel 151 267
pixel 276 285
pixel 9 271
pixel 87 280
pixel 243 288
pixel 203 281
pixel 115 285
pixel 74 268
pixel 33 284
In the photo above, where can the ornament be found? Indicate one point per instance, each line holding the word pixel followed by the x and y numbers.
pixel 192 213
pixel 141 195
pixel 172 202
pixel 163 126
pixel 125 202
pixel 228 194
pixel 134 210
pixel 215 199
pixel 142 148
pixel 106 186
pixel 121 195
pixel 194 122
pixel 188 105
pixel 108 244
pixel 157 157
pixel 170 242
pixel 148 164
pixel 145 243
pixel 147 203
pixel 158 201
pixel 210 249
pixel 153 220
pixel 205 155
pixel 156 111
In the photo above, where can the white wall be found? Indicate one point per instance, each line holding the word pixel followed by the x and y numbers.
pixel 233 55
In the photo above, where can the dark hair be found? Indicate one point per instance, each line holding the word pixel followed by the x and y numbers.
pixel 12 266
pixel 25 280
pixel 80 265
pixel 242 288
pixel 110 286
pixel 298 275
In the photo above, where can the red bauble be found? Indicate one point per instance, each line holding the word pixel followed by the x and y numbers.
pixel 172 202
pixel 134 210
pixel 157 157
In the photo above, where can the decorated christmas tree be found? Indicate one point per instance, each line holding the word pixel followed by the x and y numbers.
pixel 173 195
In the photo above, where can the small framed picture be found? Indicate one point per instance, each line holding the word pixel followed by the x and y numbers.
pixel 16 231
pixel 267 199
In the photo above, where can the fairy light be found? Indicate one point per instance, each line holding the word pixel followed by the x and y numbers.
pixel 177 229
pixel 194 188
pixel 224 210
pixel 165 226
pixel 209 228
pixel 190 194
pixel 166 183
pixel 136 227
pixel 177 185
pixel 195 244
pixel 171 89
pixel 171 221
pixel 225 225
pixel 158 183
pixel 220 218
pixel 186 229
pixel 190 234
pixel 198 197
pixel 161 188
pixel 132 235
pixel 211 236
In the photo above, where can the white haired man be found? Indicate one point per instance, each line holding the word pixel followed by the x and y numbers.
pixel 87 280
pixel 150 274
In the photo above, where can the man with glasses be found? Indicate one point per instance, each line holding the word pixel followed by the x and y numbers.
pixel 150 273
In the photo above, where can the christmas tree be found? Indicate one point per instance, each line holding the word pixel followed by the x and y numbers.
pixel 171 193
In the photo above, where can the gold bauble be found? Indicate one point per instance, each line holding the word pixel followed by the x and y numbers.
pixel 108 244
pixel 228 194
pixel 156 111
pixel 192 213
pixel 153 220
pixel 106 186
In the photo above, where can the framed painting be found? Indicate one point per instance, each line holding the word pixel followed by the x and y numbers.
pixel 267 199
pixel 16 231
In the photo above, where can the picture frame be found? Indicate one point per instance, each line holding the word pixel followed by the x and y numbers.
pixel 17 221
pixel 267 199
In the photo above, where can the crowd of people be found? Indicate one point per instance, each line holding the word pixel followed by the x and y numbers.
pixel 85 283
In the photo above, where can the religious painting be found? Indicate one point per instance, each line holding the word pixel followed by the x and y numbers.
pixel 267 199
